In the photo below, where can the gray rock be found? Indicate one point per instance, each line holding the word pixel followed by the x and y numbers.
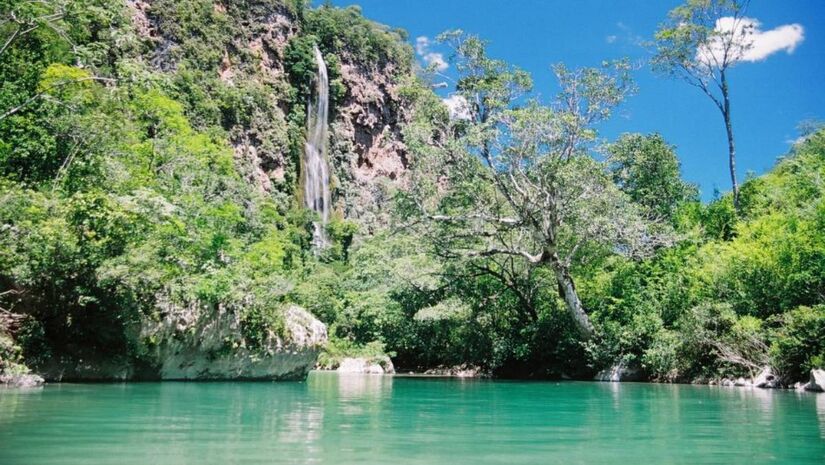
pixel 619 372
pixel 727 383
pixel 462 371
pixel 370 366
pixel 766 379
pixel 199 342
pixel 193 346
pixel 28 380
pixel 817 381
pixel 741 382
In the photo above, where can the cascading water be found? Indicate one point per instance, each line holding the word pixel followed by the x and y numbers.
pixel 316 170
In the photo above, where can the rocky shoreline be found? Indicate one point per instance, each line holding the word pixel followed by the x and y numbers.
pixel 383 365
pixel 766 379
pixel 363 366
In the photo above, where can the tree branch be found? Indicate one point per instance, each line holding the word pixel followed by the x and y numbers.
pixel 46 91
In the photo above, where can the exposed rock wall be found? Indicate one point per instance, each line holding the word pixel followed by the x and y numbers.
pixel 12 371
pixel 369 154
pixel 197 344
pixel 258 56
pixel 251 64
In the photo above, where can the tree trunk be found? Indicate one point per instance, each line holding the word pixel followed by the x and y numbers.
pixel 731 146
pixel 567 291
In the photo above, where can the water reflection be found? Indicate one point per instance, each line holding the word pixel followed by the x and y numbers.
pixel 820 412
pixel 615 394
pixel 350 386
pixel 356 386
pixel 9 400
pixel 762 399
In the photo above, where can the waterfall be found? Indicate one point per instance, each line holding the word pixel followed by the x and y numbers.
pixel 316 170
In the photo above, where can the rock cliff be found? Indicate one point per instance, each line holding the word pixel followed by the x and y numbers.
pixel 370 157
pixel 195 343
pixel 193 347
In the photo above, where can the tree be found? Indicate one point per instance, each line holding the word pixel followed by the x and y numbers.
pixel 513 190
pixel 701 41
pixel 47 30
pixel 20 17
pixel 646 168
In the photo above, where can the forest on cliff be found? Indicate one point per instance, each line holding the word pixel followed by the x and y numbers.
pixel 151 185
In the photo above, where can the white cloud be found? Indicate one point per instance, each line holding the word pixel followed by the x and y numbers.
pixel 431 59
pixel 625 35
pixel 422 44
pixel 753 43
pixel 437 61
pixel 458 106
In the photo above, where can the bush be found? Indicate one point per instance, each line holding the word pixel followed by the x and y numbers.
pixel 661 360
pixel 798 344
pixel 338 349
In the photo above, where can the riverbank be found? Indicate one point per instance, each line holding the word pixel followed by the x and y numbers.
pixel 384 367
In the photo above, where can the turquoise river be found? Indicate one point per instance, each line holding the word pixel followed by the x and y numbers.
pixel 340 419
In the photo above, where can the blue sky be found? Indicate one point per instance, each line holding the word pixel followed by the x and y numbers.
pixel 769 97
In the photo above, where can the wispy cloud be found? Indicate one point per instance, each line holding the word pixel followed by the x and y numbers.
pixel 756 44
pixel 624 36
pixel 431 59
pixel 422 44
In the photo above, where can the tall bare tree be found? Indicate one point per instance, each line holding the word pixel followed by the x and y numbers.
pixel 699 43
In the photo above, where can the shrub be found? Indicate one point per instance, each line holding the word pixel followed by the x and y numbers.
pixel 798 344
pixel 338 349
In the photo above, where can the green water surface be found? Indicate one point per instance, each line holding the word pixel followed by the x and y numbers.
pixel 354 419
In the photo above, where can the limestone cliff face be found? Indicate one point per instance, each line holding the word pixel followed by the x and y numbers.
pixel 195 344
pixel 367 153
pixel 258 54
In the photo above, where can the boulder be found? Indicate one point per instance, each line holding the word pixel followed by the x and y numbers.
pixel 27 380
pixel 469 372
pixel 741 382
pixel 193 346
pixel 727 383
pixel 817 381
pixel 458 371
pixel 766 379
pixel 619 372
pixel 369 366
pixel 195 341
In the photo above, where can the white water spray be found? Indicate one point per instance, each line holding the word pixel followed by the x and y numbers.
pixel 316 169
